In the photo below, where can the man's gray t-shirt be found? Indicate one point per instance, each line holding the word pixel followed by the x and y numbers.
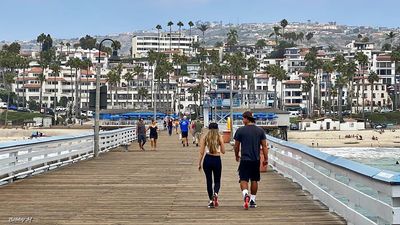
pixel 250 138
pixel 141 128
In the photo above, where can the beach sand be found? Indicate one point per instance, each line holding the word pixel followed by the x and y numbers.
pixel 18 134
pixel 330 139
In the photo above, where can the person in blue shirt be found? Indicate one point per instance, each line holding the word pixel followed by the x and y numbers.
pixel 184 125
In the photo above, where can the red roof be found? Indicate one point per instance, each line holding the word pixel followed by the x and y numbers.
pixel 31 86
pixel 383 58
pixel 85 72
pixel 94 80
pixel 36 70
pixel 26 78
pixel 262 76
pixel 55 79
pixel 292 82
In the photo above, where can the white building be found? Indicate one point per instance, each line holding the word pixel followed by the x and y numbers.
pixel 142 44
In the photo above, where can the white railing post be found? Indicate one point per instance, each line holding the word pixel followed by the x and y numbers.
pixel 373 195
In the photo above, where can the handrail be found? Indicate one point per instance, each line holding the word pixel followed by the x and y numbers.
pixel 24 158
pixel 361 194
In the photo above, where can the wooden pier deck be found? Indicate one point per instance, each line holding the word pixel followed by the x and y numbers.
pixel 153 187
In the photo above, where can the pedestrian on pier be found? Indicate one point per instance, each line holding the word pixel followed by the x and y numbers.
pixel 141 133
pixel 153 134
pixel 248 140
pixel 198 127
pixel 211 147
pixel 170 124
pixel 184 125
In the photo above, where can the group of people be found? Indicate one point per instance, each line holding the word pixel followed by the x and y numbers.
pixel 248 140
pixel 195 126
pixel 357 136
pixel 141 134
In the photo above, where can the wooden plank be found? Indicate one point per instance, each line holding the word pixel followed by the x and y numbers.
pixel 154 187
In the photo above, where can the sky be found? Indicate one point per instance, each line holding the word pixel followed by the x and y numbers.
pixel 26 19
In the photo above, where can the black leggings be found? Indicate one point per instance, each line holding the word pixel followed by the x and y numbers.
pixel 212 164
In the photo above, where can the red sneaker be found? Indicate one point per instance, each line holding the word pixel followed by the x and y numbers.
pixel 246 201
pixel 215 200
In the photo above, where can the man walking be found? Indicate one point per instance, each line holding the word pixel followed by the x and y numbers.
pixel 248 140
pixel 170 126
pixel 184 124
pixel 198 126
pixel 141 133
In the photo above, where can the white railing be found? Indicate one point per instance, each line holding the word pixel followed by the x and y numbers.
pixel 360 194
pixel 24 158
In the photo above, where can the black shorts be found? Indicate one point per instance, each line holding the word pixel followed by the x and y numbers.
pixel 249 170
pixel 184 134
pixel 142 138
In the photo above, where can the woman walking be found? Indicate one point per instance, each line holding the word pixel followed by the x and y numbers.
pixel 153 134
pixel 211 147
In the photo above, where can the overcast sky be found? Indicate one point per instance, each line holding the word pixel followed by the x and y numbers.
pixel 26 19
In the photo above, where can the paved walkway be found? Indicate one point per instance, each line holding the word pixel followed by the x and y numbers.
pixel 154 187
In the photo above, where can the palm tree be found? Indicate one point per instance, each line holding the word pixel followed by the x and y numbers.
pixel 191 24
pixel 118 70
pixel 56 68
pixel 142 93
pixel 86 64
pixel 158 27
pixel 62 45
pixel 68 47
pixel 300 36
pixel 42 79
pixel 283 24
pixel 24 64
pixel 40 39
pixel 170 23
pixel 276 33
pixel 362 62
pixel 232 38
pixel 278 74
pixel 391 36
pixel 203 28
pixel 349 72
pixel 9 80
pixel 341 80
pixel 70 63
pixel 328 67
pixel 252 65
pixel 77 64
pixel 138 72
pixel 180 25
pixel 152 58
pixel 309 36
pixel 372 78
pixel 196 92
pixel 178 61
pixel 129 78
pixel 395 57
pixel 113 79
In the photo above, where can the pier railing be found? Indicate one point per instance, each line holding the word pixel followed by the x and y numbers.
pixel 359 193
pixel 24 158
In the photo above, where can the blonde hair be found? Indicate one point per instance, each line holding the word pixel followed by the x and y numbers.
pixel 212 140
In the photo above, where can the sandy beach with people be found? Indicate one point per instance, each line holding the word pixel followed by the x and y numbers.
pixel 364 138
pixel 17 134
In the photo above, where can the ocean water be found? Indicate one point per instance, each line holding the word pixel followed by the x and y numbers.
pixel 382 158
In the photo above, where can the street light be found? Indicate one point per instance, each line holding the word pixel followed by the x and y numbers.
pixel 114 57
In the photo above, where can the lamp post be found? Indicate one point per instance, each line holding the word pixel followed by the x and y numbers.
pixel 114 56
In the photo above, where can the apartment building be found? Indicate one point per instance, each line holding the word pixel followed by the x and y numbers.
pixel 141 45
